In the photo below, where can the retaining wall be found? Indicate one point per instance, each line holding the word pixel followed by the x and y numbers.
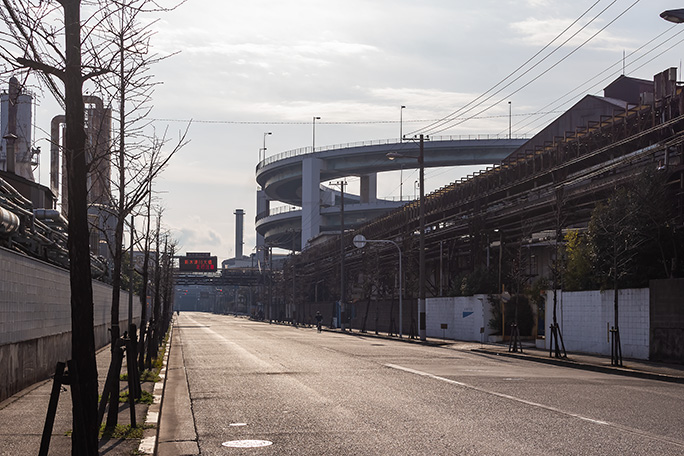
pixel 35 319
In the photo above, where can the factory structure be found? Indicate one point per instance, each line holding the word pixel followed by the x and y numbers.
pixel 34 217
pixel 498 229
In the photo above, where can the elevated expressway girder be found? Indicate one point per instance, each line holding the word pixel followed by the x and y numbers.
pixel 295 177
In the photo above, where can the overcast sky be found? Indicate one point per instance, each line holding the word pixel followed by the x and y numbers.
pixel 250 67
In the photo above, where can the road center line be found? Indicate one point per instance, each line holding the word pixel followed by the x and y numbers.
pixel 538 405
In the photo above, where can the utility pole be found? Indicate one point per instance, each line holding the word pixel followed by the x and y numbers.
pixel 421 245
pixel 343 306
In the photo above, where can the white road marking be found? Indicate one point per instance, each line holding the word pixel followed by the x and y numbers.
pixel 538 405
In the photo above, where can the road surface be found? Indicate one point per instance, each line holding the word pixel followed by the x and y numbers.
pixel 304 393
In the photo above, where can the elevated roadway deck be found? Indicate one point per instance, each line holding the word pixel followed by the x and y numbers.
pixel 295 178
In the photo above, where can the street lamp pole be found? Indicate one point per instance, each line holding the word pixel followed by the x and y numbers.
pixel 263 148
pixel 130 280
pixel 421 244
pixel 360 242
pixel 313 140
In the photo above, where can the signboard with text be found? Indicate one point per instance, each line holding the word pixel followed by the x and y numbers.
pixel 197 263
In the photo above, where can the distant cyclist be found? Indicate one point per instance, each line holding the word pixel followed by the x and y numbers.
pixel 319 319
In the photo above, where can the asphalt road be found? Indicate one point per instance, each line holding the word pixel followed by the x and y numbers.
pixel 334 394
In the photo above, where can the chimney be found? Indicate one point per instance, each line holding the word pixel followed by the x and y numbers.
pixel 11 136
pixel 239 225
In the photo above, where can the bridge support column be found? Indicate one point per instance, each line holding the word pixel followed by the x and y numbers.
pixel 263 204
pixel 369 188
pixel 311 199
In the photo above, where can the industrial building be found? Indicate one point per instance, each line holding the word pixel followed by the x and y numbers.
pixel 505 219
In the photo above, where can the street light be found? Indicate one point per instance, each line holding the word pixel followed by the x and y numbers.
pixel 313 141
pixel 421 243
pixel 264 148
pixel 360 242
pixel 676 16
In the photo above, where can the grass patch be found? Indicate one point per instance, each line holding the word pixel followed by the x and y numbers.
pixel 145 398
pixel 124 431
pixel 150 375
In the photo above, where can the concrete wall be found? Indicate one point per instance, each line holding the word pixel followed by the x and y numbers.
pixel 35 319
pixel 667 320
pixel 585 318
pixel 463 317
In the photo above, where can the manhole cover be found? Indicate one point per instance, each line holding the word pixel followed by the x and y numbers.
pixel 247 443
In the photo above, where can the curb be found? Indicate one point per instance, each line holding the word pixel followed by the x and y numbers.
pixel 556 362
pixel 148 444
pixel 584 366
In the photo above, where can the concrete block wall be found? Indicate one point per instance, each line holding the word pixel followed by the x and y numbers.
pixel 35 319
pixel 463 315
pixel 585 318
pixel 666 339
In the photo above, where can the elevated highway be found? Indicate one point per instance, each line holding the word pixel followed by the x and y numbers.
pixel 295 178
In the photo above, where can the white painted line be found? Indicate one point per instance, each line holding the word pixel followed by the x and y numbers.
pixel 538 405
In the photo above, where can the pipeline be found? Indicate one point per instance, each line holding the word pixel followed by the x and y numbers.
pixel 9 222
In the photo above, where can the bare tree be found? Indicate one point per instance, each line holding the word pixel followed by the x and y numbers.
pixel 616 238
pixel 138 156
pixel 556 345
pixel 111 45
pixel 33 44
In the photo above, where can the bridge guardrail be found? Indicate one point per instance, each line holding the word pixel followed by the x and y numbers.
pixel 375 142
pixel 286 209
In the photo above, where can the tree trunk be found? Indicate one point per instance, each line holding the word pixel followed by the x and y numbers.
pixel 85 430
pixel 143 291
pixel 113 412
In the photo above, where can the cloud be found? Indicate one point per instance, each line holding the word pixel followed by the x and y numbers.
pixel 539 32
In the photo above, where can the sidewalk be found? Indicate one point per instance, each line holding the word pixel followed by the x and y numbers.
pixel 23 418
pixel 630 367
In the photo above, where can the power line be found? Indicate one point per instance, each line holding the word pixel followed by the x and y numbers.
pixel 545 71
pixel 580 88
pixel 474 102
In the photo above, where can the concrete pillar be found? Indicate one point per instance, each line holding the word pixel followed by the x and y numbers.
pixel 311 199
pixel 239 227
pixel 263 206
pixel 369 188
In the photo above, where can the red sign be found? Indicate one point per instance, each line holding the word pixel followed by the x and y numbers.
pixel 197 264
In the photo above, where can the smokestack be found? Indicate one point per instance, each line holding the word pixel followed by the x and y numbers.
pixel 239 225
pixel 11 135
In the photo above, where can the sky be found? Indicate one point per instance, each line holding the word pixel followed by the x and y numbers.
pixel 251 67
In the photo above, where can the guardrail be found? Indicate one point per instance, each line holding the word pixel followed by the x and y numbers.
pixel 375 142
pixel 286 209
